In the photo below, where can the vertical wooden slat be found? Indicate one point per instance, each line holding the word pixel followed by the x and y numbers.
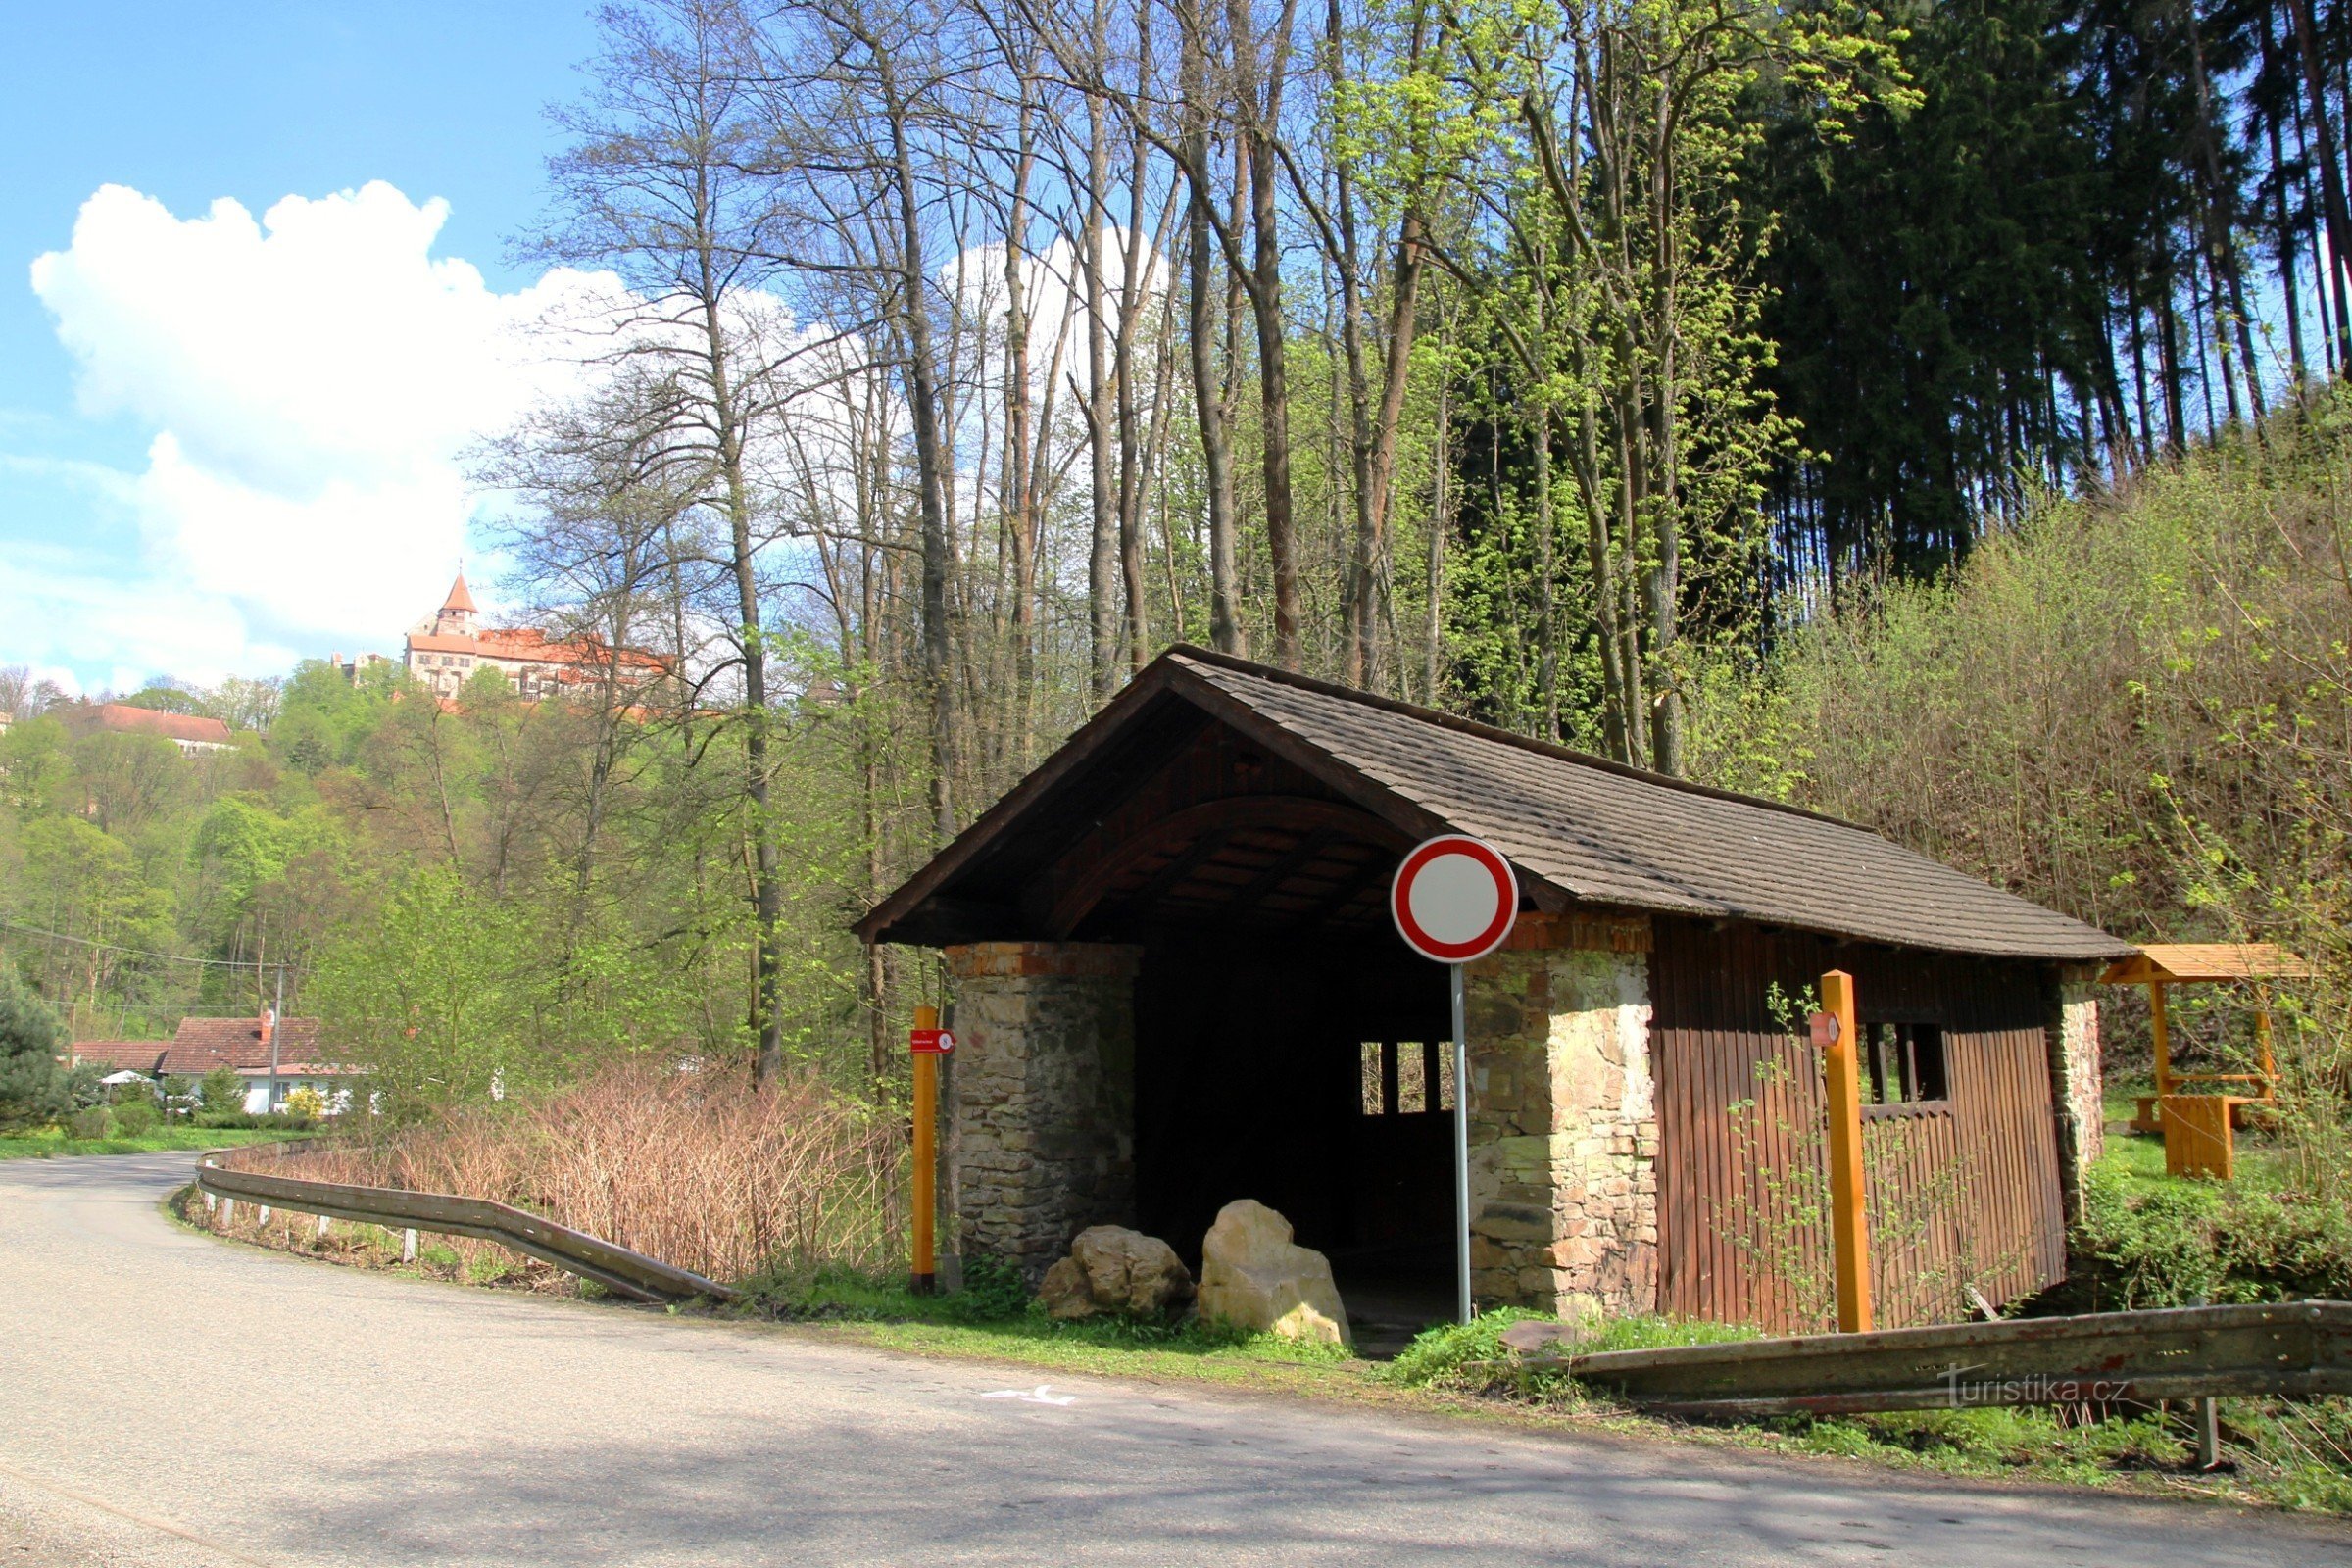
pixel 1995 1145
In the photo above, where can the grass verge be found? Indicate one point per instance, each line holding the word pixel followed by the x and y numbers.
pixel 53 1143
pixel 2284 1454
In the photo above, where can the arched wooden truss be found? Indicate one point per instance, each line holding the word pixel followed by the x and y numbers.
pixel 1304 860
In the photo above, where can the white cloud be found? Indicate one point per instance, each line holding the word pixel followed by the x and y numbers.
pixel 313 381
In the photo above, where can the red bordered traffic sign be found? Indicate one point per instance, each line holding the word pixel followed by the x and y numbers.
pixel 931 1042
pixel 1455 898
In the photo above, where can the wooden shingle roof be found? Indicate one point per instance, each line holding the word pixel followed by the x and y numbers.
pixel 1596 832
pixel 2179 963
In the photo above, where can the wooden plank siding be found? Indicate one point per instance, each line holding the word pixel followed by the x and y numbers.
pixel 1960 1191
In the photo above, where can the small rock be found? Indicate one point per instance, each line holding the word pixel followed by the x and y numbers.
pixel 1254 1277
pixel 1114 1269
pixel 1541 1336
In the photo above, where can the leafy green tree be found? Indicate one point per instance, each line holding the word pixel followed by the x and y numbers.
pixel 322 716
pixel 1615 271
pixel 222 1092
pixel 127 781
pixel 34 768
pixel 88 886
pixel 165 697
pixel 34 1087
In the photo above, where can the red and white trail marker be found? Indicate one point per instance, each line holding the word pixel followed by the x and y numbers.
pixel 1455 898
pixel 931 1042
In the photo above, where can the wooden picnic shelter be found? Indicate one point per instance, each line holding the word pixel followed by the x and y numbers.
pixel 2199 1125
pixel 1176 983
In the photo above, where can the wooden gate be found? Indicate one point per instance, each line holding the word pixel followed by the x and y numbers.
pixel 1962 1184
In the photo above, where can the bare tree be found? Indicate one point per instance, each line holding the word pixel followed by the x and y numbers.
pixel 654 186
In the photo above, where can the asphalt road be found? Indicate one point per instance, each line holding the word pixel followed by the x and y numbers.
pixel 170 1400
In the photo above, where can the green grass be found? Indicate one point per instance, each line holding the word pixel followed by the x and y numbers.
pixel 993 1319
pixel 51 1142
pixel 2138 1157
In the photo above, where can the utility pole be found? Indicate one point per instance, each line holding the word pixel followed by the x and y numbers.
pixel 277 1017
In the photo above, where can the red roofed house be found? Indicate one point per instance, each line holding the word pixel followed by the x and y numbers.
pixel 445 652
pixel 241 1045
pixel 186 731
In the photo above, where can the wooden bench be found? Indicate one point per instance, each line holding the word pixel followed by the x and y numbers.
pixel 2198 1137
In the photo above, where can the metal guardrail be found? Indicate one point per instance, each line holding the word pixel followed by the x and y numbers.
pixel 2296 1348
pixel 616 1268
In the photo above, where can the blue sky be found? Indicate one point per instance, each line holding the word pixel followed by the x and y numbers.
pixel 134 430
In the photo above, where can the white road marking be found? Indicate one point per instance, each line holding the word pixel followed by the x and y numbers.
pixel 1043 1393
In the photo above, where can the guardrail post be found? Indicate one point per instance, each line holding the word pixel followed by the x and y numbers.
pixel 2209 1434
pixel 1849 1228
pixel 323 1222
pixel 407 1245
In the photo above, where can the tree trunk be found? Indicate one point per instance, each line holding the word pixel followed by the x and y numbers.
pixel 1102 560
pixel 1200 333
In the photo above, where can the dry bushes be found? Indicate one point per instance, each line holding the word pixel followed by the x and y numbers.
pixel 695 1168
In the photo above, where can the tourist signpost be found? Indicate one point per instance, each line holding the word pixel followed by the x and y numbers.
pixel 929 1042
pixel 1455 898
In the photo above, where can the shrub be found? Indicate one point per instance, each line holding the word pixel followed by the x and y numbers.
pixel 1440 1355
pixel 2172 1243
pixel 135 1119
pixel 34 1087
pixel 1448 1354
pixel 224 1093
pixel 91 1121
pixel 700 1170
pixel 306 1104
pixel 993 1288
pixel 180 1094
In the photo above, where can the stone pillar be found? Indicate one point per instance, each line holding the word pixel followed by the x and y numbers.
pixel 2077 1077
pixel 1040 1105
pixel 1563 1123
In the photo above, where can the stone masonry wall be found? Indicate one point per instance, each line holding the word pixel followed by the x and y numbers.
pixel 2077 1078
pixel 1563 1126
pixel 1040 1104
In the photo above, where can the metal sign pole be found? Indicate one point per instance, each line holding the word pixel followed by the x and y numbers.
pixel 1461 1147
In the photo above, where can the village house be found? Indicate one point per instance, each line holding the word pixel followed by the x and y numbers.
pixel 190 732
pixel 244 1046
pixel 446 650
pixel 1177 984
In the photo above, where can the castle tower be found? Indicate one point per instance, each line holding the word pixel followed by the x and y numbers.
pixel 458 612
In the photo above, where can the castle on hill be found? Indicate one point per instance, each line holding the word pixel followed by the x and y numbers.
pixel 448 648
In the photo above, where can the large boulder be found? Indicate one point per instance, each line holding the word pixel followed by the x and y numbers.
pixel 1114 1269
pixel 1253 1276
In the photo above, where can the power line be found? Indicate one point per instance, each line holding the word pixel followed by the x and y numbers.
pixel 255 964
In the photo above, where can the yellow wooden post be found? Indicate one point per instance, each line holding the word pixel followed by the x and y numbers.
pixel 1849 1228
pixel 2262 1035
pixel 924 1183
pixel 2160 1027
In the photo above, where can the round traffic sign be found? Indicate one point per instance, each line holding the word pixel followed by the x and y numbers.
pixel 1455 898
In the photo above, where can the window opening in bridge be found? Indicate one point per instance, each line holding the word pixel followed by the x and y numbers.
pixel 1903 1064
pixel 1405 1077
pixel 1412 1079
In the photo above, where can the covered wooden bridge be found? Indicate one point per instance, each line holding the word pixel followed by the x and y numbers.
pixel 1176 984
